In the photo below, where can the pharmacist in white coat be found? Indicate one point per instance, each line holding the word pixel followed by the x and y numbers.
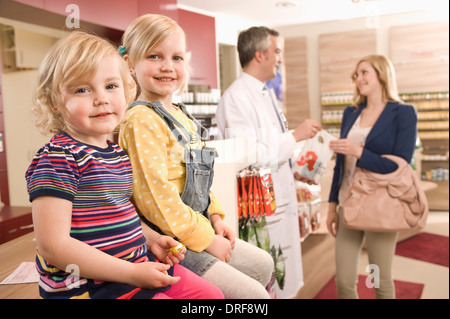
pixel 248 109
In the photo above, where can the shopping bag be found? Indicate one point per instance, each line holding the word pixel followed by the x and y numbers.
pixel 312 159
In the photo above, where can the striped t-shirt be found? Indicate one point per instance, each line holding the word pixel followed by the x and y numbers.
pixel 99 184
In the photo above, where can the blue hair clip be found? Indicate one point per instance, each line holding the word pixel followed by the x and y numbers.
pixel 122 50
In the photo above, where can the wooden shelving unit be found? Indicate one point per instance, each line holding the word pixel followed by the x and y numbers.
pixel 333 106
pixel 433 127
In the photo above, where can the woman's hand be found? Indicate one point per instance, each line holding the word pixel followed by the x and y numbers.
pixel 161 249
pixel 332 218
pixel 346 147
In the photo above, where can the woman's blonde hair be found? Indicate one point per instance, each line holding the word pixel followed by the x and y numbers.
pixel 70 62
pixel 386 75
pixel 147 32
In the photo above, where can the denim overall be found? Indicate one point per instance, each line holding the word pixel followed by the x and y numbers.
pixel 199 176
pixel 199 162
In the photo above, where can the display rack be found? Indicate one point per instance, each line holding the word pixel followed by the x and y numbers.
pixel 433 127
pixel 309 209
pixel 202 103
pixel 333 106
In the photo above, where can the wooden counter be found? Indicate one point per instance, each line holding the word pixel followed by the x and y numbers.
pixel 12 254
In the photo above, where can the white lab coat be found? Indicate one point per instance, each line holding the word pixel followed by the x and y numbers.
pixel 245 110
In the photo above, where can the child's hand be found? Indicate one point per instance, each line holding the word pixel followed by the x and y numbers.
pixel 151 275
pixel 221 248
pixel 223 230
pixel 161 249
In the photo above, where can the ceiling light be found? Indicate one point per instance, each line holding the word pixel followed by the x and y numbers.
pixel 285 4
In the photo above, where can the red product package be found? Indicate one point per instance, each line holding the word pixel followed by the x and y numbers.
pixel 268 192
pixel 249 188
pixel 258 185
pixel 239 195
pixel 244 200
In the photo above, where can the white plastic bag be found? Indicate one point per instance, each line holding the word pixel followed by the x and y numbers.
pixel 312 159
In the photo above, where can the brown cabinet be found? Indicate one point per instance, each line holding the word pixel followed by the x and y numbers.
pixel 15 222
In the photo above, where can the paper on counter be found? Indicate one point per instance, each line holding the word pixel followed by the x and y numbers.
pixel 24 274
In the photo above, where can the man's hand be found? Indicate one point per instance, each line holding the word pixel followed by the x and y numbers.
pixel 307 129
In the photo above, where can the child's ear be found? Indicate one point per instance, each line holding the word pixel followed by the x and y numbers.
pixel 54 109
pixel 126 58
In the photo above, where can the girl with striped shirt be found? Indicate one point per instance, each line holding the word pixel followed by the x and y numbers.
pixel 90 240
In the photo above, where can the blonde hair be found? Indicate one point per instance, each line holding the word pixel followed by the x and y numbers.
pixel 71 62
pixel 386 75
pixel 147 32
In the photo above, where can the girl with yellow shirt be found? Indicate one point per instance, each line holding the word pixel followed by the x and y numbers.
pixel 173 170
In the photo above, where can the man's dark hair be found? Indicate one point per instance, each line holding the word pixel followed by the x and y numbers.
pixel 252 40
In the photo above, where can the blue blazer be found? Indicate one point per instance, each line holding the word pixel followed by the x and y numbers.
pixel 394 133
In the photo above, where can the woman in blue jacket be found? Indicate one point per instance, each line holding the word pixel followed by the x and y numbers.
pixel 378 123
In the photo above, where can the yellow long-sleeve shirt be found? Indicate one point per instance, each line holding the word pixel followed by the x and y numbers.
pixel 159 177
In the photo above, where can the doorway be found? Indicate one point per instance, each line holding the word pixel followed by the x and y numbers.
pixel 228 65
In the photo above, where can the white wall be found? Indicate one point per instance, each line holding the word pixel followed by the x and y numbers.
pixel 21 136
pixel 23 139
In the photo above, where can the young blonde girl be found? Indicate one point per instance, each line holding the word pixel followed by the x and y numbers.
pixel 89 238
pixel 173 169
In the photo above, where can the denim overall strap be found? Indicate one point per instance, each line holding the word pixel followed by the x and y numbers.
pixel 169 119
pixel 199 162
pixel 203 130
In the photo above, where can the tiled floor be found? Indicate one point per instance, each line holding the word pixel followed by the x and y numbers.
pixel 434 277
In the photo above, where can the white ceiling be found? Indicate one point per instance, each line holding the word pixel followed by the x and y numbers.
pixel 306 11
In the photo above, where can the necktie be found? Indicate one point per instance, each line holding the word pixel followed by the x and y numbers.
pixel 277 112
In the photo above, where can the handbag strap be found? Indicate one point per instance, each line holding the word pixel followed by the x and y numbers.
pixel 401 164
pixel 397 160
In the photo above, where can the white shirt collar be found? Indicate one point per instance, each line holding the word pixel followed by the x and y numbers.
pixel 251 80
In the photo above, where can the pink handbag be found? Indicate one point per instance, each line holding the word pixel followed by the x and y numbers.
pixel 385 202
